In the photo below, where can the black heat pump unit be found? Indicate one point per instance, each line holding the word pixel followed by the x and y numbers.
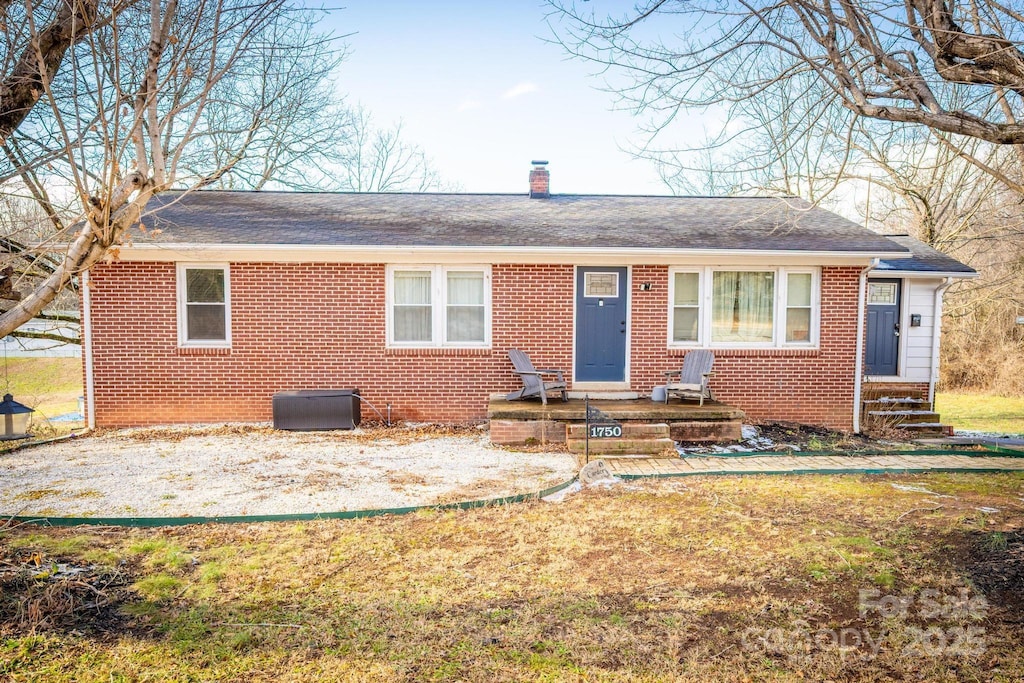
pixel 318 409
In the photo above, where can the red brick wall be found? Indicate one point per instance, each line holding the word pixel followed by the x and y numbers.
pixel 306 326
pixel 812 386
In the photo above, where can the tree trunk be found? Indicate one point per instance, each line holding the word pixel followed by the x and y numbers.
pixel 90 245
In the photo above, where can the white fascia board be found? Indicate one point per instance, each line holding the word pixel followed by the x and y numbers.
pixel 919 274
pixel 291 253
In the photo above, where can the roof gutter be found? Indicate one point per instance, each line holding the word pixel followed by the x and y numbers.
pixel 936 338
pixel 925 274
pixel 858 380
pixel 376 253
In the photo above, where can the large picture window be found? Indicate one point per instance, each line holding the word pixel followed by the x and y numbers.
pixel 743 306
pixel 203 306
pixel 439 306
pixel 718 307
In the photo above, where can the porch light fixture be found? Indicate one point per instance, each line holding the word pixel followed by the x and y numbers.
pixel 13 419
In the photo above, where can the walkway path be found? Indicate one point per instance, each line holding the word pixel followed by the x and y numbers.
pixel 823 464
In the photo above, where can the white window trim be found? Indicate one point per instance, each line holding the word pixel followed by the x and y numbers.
pixel 783 294
pixel 706 292
pixel 701 308
pixel 183 340
pixel 438 306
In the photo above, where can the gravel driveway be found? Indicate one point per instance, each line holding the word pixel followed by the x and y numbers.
pixel 247 470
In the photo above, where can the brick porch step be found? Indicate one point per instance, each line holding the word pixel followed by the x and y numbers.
pixel 911 413
pixel 905 417
pixel 904 403
pixel 927 428
pixel 610 448
pixel 638 438
pixel 630 430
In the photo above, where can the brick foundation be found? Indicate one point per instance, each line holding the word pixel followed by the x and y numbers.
pixel 517 432
pixel 707 430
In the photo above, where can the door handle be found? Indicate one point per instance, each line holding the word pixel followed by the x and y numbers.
pixel 896 329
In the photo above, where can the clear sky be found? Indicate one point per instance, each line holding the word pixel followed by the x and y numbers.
pixel 481 91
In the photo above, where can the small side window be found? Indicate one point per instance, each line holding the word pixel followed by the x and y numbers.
pixel 686 307
pixel 203 314
pixel 798 307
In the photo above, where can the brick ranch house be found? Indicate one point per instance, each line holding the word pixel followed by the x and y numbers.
pixel 416 298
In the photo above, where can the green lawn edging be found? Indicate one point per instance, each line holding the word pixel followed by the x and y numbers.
pixel 988 450
pixel 144 522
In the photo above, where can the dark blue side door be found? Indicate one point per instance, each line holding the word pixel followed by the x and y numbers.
pixel 881 351
pixel 601 317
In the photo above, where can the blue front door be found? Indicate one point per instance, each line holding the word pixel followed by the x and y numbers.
pixel 601 317
pixel 881 352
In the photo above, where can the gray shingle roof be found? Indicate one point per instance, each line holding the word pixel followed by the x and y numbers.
pixel 923 259
pixel 505 220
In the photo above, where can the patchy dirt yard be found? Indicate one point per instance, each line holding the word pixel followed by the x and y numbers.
pixel 247 470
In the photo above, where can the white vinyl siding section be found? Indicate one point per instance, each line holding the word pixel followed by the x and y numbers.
pixel 715 307
pixel 439 306
pixel 919 298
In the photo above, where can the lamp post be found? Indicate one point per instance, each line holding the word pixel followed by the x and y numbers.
pixel 13 419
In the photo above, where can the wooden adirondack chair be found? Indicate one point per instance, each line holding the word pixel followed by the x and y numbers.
pixel 694 377
pixel 533 382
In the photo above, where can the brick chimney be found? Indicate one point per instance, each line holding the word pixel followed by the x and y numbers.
pixel 540 187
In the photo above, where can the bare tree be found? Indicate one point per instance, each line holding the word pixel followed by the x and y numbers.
pixel 304 121
pixel 24 224
pixel 313 142
pixel 381 159
pixel 104 103
pixel 954 66
pixel 789 142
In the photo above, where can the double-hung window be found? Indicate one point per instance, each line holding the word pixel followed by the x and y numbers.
pixel 727 307
pixel 439 306
pixel 686 307
pixel 800 291
pixel 204 306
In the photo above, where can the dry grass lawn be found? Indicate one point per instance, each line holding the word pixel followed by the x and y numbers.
pixel 49 385
pixel 982 412
pixel 753 578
